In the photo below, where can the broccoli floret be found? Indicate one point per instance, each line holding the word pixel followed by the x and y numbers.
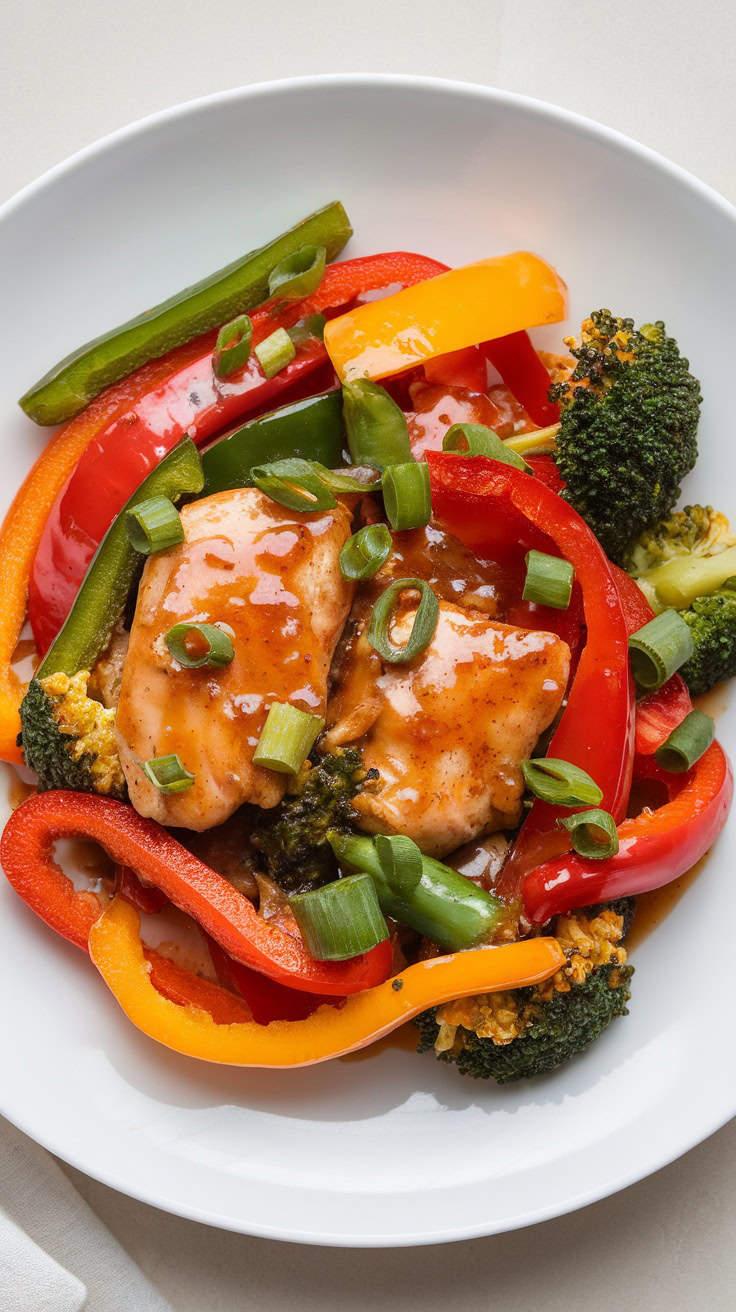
pixel 69 739
pixel 712 623
pixel 629 419
pixel 694 531
pixel 292 837
pixel 531 1031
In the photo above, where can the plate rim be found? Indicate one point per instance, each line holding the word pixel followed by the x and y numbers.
pixel 581 125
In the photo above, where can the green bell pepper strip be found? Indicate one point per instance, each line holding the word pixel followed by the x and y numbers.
pixel 444 906
pixel 101 598
pixel 78 378
pixel 312 429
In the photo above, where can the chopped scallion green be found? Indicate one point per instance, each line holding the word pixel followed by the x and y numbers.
pixel 377 431
pixel 406 495
pixel 592 834
pixel 687 743
pixel 548 580
pixel 232 347
pixel 560 782
pixel 657 650
pixel 365 552
pixel 425 622
pixel 299 274
pixel 154 525
pixel 287 738
pixel 477 440
pixel 340 920
pixel 168 774
pixel 275 352
pixel 194 645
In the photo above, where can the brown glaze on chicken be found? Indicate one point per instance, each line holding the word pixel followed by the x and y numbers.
pixel 272 577
pixel 448 732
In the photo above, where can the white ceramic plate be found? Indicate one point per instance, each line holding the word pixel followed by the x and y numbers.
pixel 391 1149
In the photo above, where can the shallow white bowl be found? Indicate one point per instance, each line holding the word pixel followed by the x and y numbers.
pixel 391 1149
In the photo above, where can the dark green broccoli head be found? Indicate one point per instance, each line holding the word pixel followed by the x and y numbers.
pixel 527 1032
pixel 712 622
pixel 292 837
pixel 559 1029
pixel 68 738
pixel 629 419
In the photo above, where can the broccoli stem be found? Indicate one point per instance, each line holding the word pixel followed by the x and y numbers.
pixel 684 578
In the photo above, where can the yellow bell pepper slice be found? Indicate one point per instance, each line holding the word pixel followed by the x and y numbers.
pixel 456 309
pixel 116 949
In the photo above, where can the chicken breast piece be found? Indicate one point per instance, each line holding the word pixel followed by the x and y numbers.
pixel 448 732
pixel 272 578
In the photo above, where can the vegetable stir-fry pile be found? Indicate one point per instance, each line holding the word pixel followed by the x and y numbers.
pixel 328 677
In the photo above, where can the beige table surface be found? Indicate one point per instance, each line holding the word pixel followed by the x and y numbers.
pixel 659 70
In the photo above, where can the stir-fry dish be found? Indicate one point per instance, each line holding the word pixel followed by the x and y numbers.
pixel 365 637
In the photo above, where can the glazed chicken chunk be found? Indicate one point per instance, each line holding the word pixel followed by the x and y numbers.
pixel 447 732
pixel 271 579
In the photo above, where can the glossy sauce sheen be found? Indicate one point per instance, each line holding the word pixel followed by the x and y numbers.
pixel 272 577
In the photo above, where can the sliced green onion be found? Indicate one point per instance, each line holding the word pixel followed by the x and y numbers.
pixel 232 347
pixel 294 483
pixel 659 649
pixel 306 484
pixel 560 782
pixel 376 426
pixel 287 738
pixel 686 743
pixel 548 580
pixel 298 275
pixel 425 622
pixel 406 495
pixel 477 440
pixel 168 774
pixel 542 442
pixel 306 330
pixel 194 645
pixel 154 525
pixel 275 352
pixel 401 862
pixel 340 920
pixel 364 553
pixel 592 833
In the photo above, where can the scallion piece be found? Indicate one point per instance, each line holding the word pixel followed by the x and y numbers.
pixel 154 525
pixel 560 782
pixel 401 862
pixel 592 834
pixel 298 275
pixel 376 426
pixel 194 645
pixel 341 919
pixel 347 484
pixel 425 622
pixel 686 743
pixel 307 330
pixel 287 738
pixel 548 580
pixel 293 483
pixel 168 774
pixel 406 495
pixel 659 649
pixel 232 347
pixel 275 352
pixel 365 552
pixel 477 440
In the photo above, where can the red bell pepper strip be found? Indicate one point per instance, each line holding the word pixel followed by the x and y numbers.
pixel 191 400
pixel 654 848
pixel 267 999
pixel 661 712
pixel 524 374
pixel 481 501
pixel 220 910
pixel 185 988
pixel 465 368
pixel 144 897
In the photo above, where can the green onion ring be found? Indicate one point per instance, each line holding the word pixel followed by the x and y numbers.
pixel 376 427
pixel 657 650
pixel 275 352
pixel 687 743
pixel 548 580
pixel 299 275
pixel 287 738
pixel 400 860
pixel 340 920
pixel 232 347
pixel 306 330
pixel 560 782
pixel 218 647
pixel 365 552
pixel 425 622
pixel 406 495
pixel 581 828
pixel 477 440
pixel 168 774
pixel 154 525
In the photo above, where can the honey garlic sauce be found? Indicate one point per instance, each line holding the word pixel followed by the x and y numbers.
pixel 271 578
pixel 449 567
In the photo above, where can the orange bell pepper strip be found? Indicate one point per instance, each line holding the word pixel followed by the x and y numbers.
pixel 456 309
pixel 26 855
pixel 24 523
pixel 118 954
